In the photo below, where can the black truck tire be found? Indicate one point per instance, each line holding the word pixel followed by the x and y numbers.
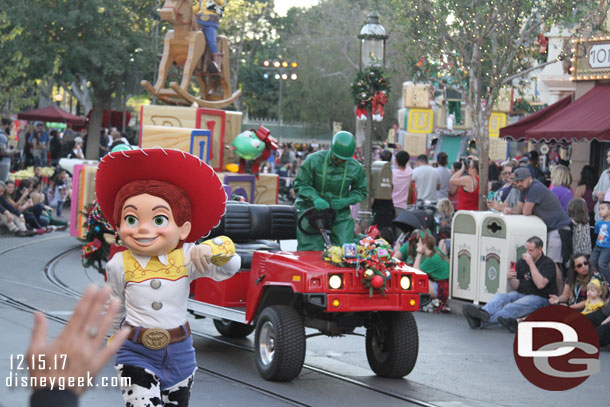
pixel 232 329
pixel 279 343
pixel 392 344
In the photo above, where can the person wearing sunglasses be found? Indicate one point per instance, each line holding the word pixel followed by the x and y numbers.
pixel 507 196
pixel 580 274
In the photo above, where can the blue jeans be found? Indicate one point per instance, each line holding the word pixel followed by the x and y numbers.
pixel 58 208
pixel 599 260
pixel 43 158
pixel 209 29
pixel 512 305
pixel 33 217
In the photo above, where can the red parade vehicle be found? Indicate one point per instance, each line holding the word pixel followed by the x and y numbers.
pixel 279 293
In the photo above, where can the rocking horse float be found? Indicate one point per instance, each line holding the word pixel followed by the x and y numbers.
pixel 186 47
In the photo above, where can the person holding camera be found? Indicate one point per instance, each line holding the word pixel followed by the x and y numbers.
pixel 467 181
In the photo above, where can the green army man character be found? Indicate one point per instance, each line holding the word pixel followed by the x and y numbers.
pixel 330 179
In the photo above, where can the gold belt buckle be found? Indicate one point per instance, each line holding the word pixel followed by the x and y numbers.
pixel 156 338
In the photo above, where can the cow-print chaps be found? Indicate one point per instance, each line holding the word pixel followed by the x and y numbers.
pixel 145 389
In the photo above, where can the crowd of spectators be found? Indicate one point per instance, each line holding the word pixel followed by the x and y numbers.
pixel 517 186
pixel 43 147
pixel 40 146
pixel 34 206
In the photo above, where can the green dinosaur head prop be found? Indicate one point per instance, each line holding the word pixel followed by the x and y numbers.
pixel 248 146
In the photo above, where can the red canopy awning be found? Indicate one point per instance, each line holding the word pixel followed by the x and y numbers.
pixel 587 118
pixel 517 130
pixel 113 118
pixel 52 114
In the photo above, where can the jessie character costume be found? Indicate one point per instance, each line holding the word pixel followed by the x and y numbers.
pixel 160 201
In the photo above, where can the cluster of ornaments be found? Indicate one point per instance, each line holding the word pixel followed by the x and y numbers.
pixel 374 256
pixel 370 91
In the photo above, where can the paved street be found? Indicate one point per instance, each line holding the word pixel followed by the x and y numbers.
pixel 456 366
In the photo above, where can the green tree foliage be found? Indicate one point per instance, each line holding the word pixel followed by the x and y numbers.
pixel 324 41
pixel 479 44
pixel 101 41
pixel 260 94
pixel 249 26
pixel 17 90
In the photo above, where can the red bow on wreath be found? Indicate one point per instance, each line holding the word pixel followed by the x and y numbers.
pixel 378 102
pixel 360 113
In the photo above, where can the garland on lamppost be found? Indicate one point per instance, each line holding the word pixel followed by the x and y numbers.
pixel 370 90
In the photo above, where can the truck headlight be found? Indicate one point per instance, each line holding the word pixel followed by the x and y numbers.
pixel 335 281
pixel 405 282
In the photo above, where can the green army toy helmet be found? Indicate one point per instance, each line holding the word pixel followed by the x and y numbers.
pixel 343 145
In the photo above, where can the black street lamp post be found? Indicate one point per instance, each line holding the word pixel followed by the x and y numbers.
pixel 372 54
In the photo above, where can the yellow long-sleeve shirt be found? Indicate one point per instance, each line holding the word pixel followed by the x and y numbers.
pixel 211 7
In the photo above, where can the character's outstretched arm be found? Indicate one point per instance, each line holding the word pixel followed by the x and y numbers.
pixel 214 258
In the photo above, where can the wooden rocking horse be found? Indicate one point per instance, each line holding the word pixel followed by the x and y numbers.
pixel 185 46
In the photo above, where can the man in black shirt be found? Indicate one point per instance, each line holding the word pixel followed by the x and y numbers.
pixel 536 199
pixel 533 282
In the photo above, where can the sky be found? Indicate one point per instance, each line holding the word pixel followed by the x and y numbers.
pixel 282 6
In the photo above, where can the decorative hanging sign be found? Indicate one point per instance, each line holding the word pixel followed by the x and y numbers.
pixel 591 58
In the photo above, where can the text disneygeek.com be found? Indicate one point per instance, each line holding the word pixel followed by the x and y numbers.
pixel 15 380
pixel 19 374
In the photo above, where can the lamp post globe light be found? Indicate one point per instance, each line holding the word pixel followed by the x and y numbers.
pixel 372 54
pixel 282 71
pixel 372 42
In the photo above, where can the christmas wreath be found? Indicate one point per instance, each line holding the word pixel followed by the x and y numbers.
pixel 370 90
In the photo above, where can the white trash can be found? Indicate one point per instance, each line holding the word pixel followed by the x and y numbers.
pixel 502 241
pixel 465 235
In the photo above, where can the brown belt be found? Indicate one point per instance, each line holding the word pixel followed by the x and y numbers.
pixel 210 17
pixel 158 338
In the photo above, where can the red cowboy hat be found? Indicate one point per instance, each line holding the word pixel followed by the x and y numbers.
pixel 197 179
